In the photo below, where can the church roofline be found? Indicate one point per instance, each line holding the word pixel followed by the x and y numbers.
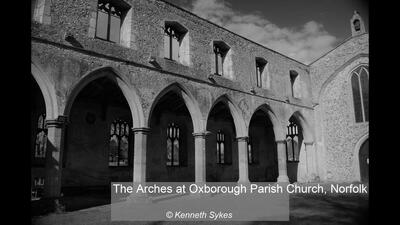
pixel 258 44
pixel 340 44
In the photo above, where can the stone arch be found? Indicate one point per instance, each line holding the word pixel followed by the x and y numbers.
pixel 240 125
pixel 48 91
pixel 184 42
pixel 305 125
pixel 264 131
pixel 190 102
pixel 277 125
pixel 354 68
pixel 228 70
pixel 356 160
pixel 304 169
pixel 128 91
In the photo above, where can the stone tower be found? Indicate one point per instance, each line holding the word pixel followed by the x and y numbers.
pixel 357 24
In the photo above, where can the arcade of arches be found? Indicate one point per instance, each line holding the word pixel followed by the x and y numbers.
pixel 99 144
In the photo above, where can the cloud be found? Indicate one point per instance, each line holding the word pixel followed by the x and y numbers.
pixel 305 43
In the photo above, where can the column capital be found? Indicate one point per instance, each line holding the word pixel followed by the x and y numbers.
pixel 59 122
pixel 280 141
pixel 201 134
pixel 309 143
pixel 141 130
pixel 244 138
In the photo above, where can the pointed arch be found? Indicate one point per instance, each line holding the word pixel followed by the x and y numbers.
pixel 48 91
pixel 190 102
pixel 305 125
pixel 356 159
pixel 264 132
pixel 240 125
pixel 300 141
pixel 359 79
pixel 279 132
pixel 128 91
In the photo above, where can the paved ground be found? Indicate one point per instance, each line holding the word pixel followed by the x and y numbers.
pixel 304 209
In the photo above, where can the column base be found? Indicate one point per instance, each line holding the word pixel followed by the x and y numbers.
pixel 243 181
pixel 200 181
pixel 283 179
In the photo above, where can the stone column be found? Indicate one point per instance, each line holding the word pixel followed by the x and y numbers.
pixel 243 160
pixel 309 149
pixel 200 156
pixel 139 158
pixel 281 148
pixel 54 149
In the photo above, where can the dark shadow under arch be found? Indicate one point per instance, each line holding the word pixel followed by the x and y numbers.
pixel 263 157
pixel 240 125
pixel 87 170
pixel 126 89
pixel 220 121
pixel 188 100
pixel 38 139
pixel 170 111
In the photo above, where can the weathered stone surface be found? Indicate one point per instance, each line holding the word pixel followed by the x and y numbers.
pixel 325 109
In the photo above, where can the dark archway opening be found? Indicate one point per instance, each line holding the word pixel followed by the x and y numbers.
pixel 98 144
pixel 263 158
pixel 364 161
pixel 170 146
pixel 38 141
pixel 221 147
pixel 294 141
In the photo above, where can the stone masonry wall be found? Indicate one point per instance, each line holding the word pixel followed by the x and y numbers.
pixel 66 63
pixel 73 18
pixel 336 131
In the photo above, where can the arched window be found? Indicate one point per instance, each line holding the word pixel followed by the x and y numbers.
pixel 173 145
pixel 119 143
pixel 110 16
pixel 292 142
pixel 360 85
pixel 41 137
pixel 220 147
pixel 174 47
pixel 260 66
pixel 295 84
pixel 171 42
pixel 220 52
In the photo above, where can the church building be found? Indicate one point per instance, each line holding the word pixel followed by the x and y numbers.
pixel 145 91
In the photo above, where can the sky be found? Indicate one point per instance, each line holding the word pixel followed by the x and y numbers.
pixel 301 29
